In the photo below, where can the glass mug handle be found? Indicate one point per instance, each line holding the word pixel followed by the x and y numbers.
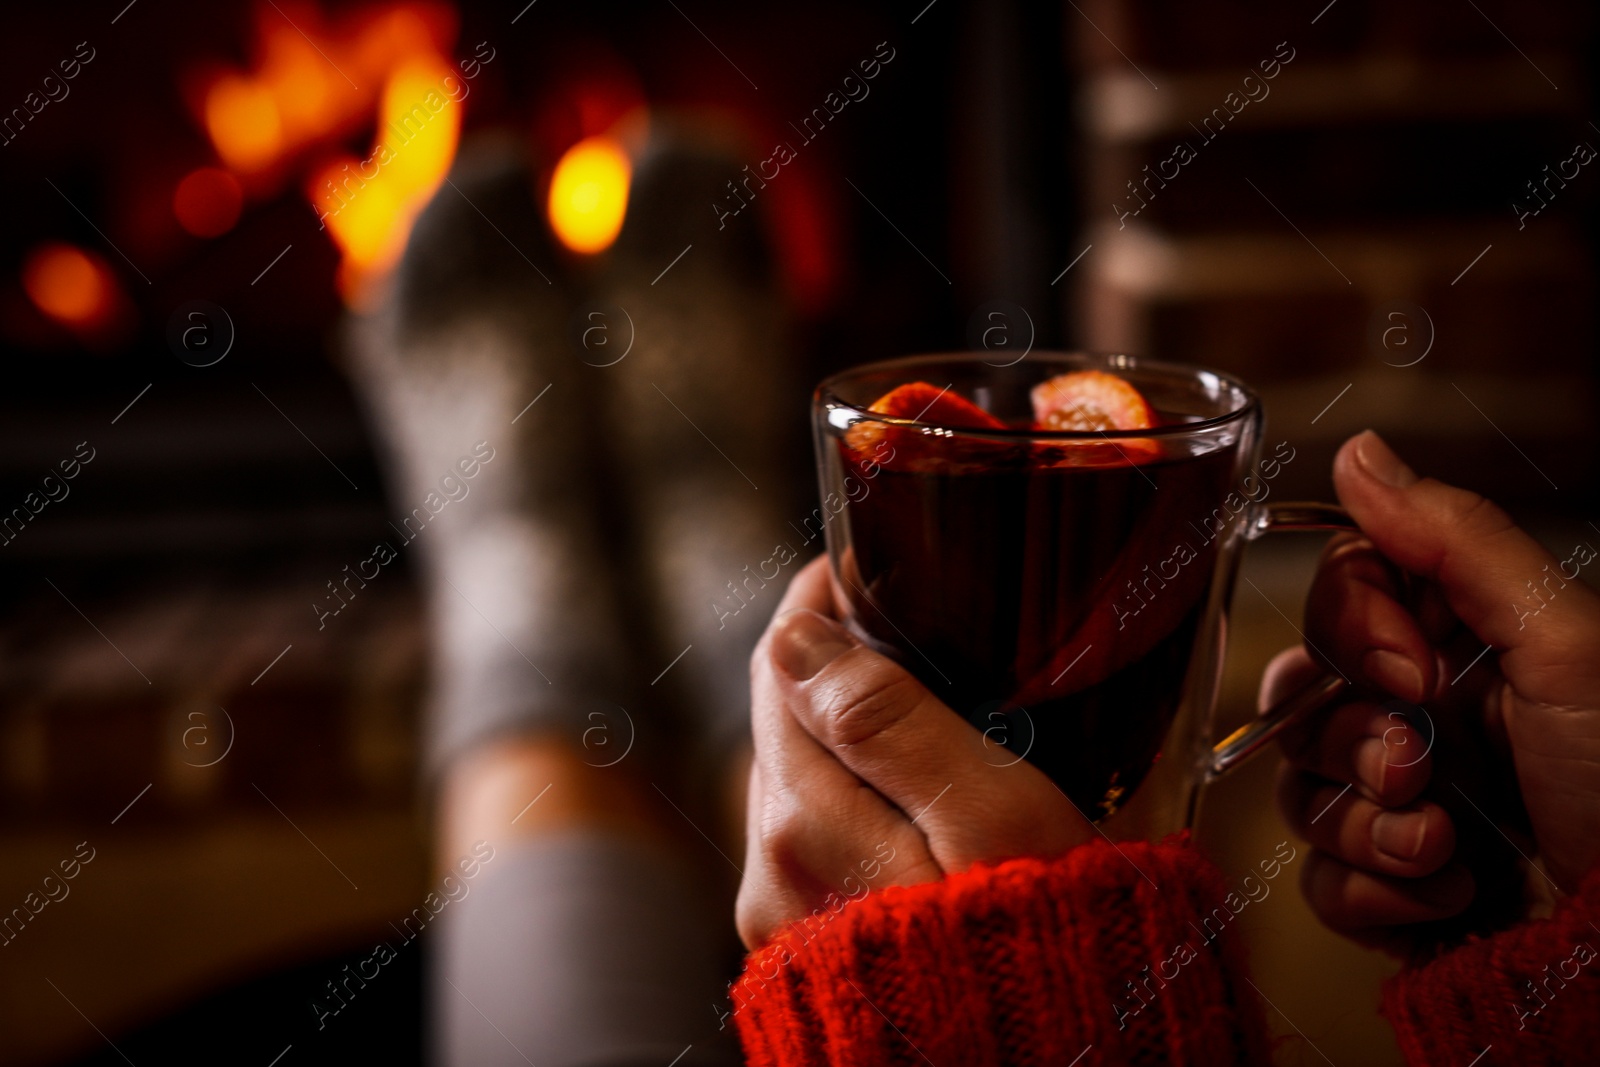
pixel 1249 739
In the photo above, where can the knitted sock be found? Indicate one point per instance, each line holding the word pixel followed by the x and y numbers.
pixel 708 412
pixel 497 471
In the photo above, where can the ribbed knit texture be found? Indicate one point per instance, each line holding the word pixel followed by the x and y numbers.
pixel 1025 962
pixel 1020 963
pixel 1477 995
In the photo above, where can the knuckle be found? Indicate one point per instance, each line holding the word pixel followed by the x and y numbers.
pixel 865 713
pixel 1474 515
pixel 783 837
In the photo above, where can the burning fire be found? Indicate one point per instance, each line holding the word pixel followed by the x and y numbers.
pixel 368 205
pixel 313 84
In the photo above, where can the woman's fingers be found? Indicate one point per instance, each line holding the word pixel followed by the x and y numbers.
pixel 863 779
pixel 1349 787
pixel 813 847
pixel 972 800
pixel 1377 750
pixel 1403 842
pixel 1355 902
pixel 1287 673
pixel 1356 620
pixel 816 833
pixel 1502 584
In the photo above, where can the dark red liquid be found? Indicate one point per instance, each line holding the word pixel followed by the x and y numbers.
pixel 1017 591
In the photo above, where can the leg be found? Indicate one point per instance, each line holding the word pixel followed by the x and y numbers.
pixel 586 937
pixel 584 940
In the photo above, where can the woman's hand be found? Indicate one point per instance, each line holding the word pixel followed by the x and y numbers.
pixel 863 779
pixel 1415 817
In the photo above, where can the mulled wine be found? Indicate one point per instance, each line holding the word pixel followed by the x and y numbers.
pixel 1051 593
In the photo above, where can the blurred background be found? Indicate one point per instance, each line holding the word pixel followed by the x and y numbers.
pixel 1379 215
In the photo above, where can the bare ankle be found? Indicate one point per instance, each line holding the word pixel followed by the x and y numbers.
pixel 524 787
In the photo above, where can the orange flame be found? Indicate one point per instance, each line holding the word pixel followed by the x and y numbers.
pixel 313 84
pixel 589 194
pixel 369 205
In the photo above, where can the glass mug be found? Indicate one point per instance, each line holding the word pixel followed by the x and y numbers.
pixel 1066 592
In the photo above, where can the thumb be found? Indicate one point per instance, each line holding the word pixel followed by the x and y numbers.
pixel 972 799
pixel 1526 604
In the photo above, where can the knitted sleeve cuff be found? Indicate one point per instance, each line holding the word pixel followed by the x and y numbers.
pixel 1532 993
pixel 1129 949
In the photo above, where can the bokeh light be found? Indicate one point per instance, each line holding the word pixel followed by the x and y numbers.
pixel 589 194
pixel 244 124
pixel 68 284
pixel 207 202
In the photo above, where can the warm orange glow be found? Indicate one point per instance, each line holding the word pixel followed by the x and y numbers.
pixel 68 284
pixel 207 202
pixel 366 222
pixel 419 123
pixel 395 34
pixel 311 81
pixel 369 205
pixel 243 120
pixel 304 88
pixel 316 80
pixel 589 194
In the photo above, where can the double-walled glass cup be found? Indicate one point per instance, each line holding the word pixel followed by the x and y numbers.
pixel 1065 592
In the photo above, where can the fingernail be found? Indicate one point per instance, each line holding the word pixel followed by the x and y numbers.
pixel 1372 764
pixel 803 643
pixel 1379 460
pixel 1395 672
pixel 1399 836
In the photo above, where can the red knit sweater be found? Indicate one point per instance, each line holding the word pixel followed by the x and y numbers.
pixel 1037 962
